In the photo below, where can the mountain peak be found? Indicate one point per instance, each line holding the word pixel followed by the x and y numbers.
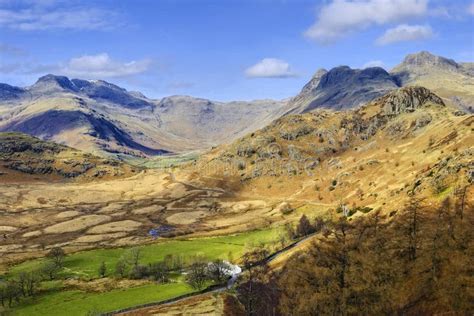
pixel 313 83
pixel 53 82
pixel 342 87
pixel 426 59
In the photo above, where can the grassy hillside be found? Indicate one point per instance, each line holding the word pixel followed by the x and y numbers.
pixel 23 157
pixel 374 156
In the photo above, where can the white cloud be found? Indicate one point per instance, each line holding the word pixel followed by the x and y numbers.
pixel 405 32
pixel 341 17
pixel 88 66
pixel 270 68
pixel 41 18
pixel 102 66
pixel 374 63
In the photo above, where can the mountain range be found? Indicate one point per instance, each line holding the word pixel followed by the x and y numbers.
pixel 102 118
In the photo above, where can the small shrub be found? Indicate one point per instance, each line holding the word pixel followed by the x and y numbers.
pixel 102 269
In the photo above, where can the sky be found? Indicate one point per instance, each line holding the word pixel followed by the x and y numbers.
pixel 222 49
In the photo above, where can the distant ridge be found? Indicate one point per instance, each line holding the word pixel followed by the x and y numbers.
pixel 100 117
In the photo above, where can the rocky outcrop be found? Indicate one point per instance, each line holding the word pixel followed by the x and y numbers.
pixel 407 99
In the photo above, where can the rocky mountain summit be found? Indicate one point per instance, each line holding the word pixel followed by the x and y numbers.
pixel 343 88
pixel 424 63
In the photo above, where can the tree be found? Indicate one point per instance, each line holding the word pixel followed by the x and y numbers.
pixel 304 227
pixel 27 283
pixel 12 292
pixel 134 256
pixel 319 282
pixel 121 268
pixel 197 275
pixel 32 282
pixel 219 271
pixel 102 269
pixel 290 231
pixel 138 272
pixel 3 293
pixel 257 290
pixel 160 271
pixel 50 269
pixel 411 225
pixel 57 255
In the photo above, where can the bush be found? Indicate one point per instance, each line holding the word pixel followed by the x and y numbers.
pixel 121 268
pixel 102 269
pixel 50 270
pixel 159 271
pixel 138 272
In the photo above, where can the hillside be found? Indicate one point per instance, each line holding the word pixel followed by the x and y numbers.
pixel 24 158
pixel 377 155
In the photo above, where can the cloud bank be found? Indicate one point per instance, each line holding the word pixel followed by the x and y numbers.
pixel 341 17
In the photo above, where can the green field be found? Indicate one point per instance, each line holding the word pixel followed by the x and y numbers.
pixel 84 265
pixel 80 303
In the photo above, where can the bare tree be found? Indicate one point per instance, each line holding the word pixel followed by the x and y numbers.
pixel 218 271
pixel 57 254
pixel 134 256
pixel 197 275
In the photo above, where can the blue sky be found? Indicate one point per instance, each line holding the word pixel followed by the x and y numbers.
pixel 222 49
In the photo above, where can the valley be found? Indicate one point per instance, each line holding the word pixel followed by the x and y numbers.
pixel 136 195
